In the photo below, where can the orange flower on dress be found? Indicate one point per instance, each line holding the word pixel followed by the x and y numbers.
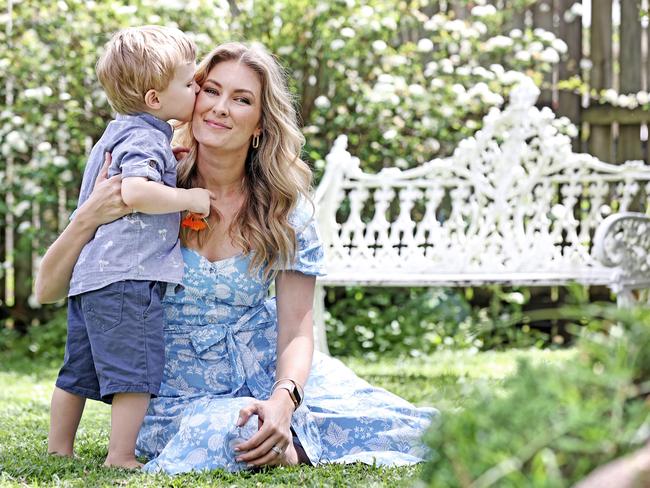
pixel 194 222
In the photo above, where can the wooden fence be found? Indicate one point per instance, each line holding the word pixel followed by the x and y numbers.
pixel 610 52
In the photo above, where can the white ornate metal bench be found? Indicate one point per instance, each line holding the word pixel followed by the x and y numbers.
pixel 513 205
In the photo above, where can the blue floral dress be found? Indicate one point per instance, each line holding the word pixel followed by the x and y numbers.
pixel 220 347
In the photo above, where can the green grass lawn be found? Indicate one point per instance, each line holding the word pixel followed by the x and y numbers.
pixel 442 380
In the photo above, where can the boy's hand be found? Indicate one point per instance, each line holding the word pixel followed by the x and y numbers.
pixel 199 201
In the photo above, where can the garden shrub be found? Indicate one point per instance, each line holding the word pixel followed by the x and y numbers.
pixel 404 84
pixel 554 424
pixel 377 322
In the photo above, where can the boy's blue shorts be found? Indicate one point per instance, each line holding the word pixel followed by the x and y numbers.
pixel 115 341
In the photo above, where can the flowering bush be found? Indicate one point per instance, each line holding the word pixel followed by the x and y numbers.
pixel 404 86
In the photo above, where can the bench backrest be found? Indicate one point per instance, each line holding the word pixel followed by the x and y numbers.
pixel 513 198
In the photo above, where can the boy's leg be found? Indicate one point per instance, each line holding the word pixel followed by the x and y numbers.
pixel 127 414
pixel 77 381
pixel 128 349
pixel 65 414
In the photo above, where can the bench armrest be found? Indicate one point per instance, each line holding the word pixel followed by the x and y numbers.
pixel 622 241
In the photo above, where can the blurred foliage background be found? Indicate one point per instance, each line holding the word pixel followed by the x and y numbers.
pixel 405 80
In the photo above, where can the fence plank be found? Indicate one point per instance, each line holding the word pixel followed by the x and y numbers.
pixel 570 32
pixel 629 139
pixel 601 143
pixel 543 18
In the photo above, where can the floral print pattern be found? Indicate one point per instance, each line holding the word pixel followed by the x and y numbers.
pixel 220 335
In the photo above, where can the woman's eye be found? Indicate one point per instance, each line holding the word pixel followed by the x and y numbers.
pixel 211 91
pixel 243 100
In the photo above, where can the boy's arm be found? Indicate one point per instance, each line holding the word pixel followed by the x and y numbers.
pixel 142 158
pixel 151 197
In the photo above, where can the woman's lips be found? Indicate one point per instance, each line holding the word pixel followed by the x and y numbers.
pixel 216 125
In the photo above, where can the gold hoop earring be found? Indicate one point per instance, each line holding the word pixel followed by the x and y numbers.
pixel 256 141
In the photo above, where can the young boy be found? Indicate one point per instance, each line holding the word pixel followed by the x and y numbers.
pixel 114 350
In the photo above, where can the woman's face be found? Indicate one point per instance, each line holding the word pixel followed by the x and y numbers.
pixel 228 107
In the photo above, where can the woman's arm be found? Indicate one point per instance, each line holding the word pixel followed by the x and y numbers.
pixel 104 205
pixel 295 298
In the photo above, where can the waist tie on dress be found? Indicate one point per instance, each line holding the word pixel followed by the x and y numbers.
pixel 245 368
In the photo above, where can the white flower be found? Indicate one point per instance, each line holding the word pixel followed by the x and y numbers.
pixel 425 45
pixel 432 145
pixel 285 50
pixel 483 10
pixel 390 134
pixel 44 146
pixel 401 163
pixel 550 55
pixel 511 77
pixel 389 23
pixel 522 56
pixel 379 45
pixel 642 97
pixel 21 208
pixel 322 102
pixel 446 66
pixel 610 96
pixel 417 90
pixel 24 226
pixel 559 45
pixel 59 161
pixel 576 8
pixel 498 42
pixel 131 9
pixel 586 64
pixel 15 141
pixel 515 33
pixel 66 176
pixel 627 101
pixel 366 11
pixel 454 25
pixel 395 60
pixel 385 78
pixel 431 69
pixel 480 27
pixel 348 32
pixel 337 44
pixel 536 47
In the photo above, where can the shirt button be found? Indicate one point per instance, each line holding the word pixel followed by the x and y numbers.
pixel 152 163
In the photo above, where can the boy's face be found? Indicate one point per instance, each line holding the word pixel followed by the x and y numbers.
pixel 177 100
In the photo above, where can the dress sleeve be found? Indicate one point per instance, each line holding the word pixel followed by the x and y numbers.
pixel 310 259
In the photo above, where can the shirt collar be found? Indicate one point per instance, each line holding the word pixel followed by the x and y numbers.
pixel 151 120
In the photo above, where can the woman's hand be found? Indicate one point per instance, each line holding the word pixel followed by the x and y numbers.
pixel 273 443
pixel 105 202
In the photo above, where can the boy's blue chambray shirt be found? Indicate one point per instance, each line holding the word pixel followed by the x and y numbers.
pixel 138 246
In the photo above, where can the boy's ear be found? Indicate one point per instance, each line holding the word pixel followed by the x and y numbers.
pixel 151 100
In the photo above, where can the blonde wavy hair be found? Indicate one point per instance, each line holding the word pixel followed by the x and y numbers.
pixel 276 179
pixel 139 59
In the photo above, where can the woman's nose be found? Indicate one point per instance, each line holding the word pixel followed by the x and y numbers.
pixel 220 108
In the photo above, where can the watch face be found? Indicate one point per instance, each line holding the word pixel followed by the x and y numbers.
pixel 297 396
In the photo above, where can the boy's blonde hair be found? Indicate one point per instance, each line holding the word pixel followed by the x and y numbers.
pixel 139 59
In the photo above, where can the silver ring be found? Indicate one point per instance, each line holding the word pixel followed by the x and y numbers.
pixel 277 450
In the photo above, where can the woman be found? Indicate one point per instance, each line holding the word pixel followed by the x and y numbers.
pixel 237 361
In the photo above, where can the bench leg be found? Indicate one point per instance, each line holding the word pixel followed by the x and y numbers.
pixel 320 339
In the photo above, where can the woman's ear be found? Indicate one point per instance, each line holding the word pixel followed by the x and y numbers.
pixel 151 100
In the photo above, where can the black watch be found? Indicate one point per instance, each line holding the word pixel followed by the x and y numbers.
pixel 295 391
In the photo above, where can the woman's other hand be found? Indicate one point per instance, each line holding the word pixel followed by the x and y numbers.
pixel 105 202
pixel 273 443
